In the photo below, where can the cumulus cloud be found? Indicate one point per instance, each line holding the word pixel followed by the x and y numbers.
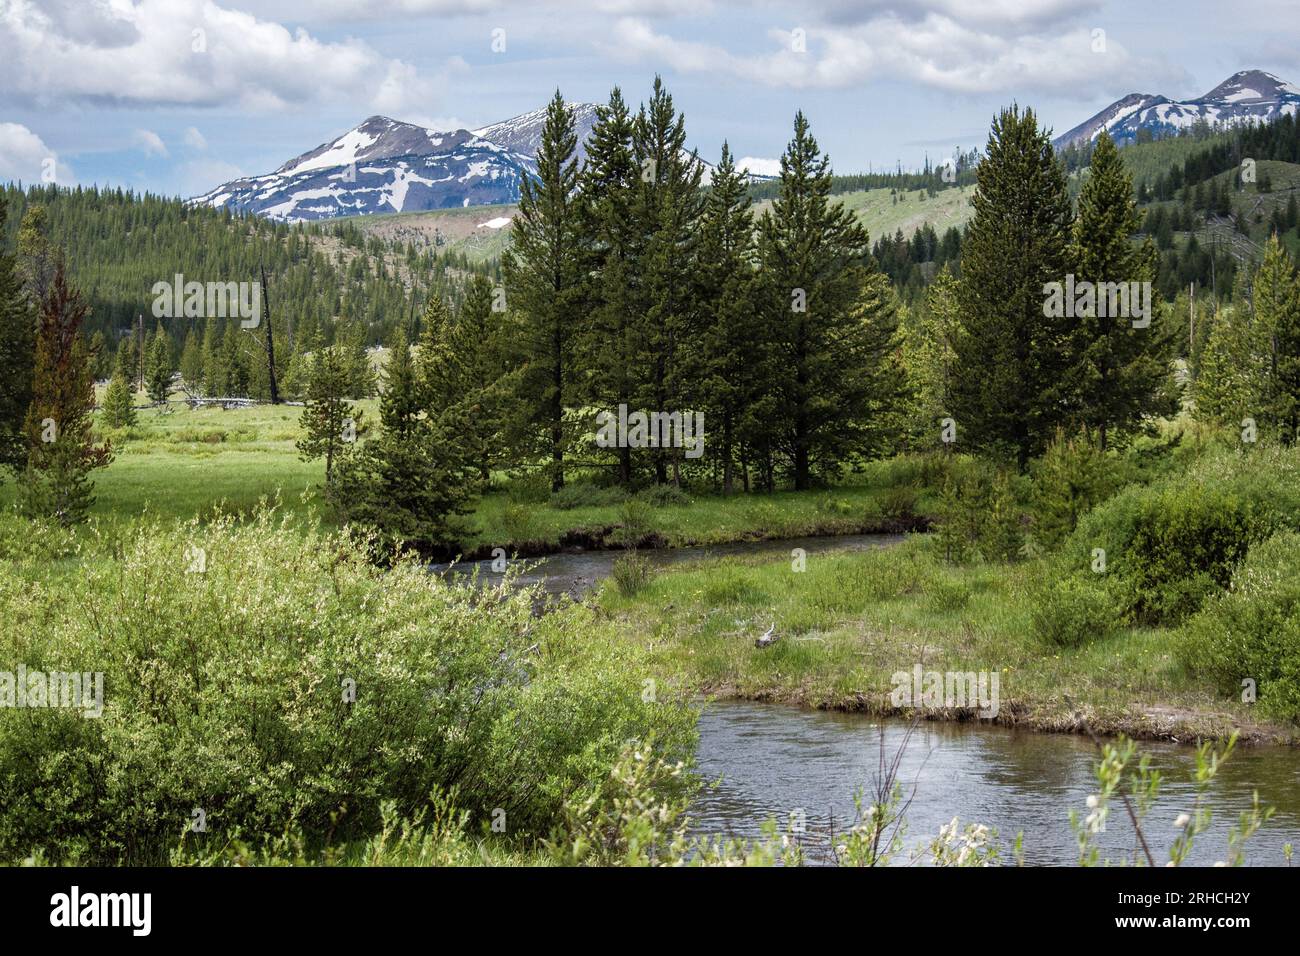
pixel 759 166
pixel 937 51
pixel 149 142
pixel 182 52
pixel 24 156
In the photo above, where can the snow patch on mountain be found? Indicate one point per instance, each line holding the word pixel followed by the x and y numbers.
pixel 1250 96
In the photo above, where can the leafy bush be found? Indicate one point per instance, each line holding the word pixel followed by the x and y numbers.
pixel 230 690
pixel 665 496
pixel 980 517
pixel 899 502
pixel 585 494
pixel 635 522
pixel 519 521
pixel 946 594
pixel 1071 610
pixel 1252 631
pixel 1072 476
pixel 631 573
pixel 1171 545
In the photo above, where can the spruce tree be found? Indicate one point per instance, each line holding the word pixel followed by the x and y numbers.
pixel 665 212
pixel 17 357
pixel 833 315
pixel 1009 384
pixel 1277 309
pixel 931 357
pixel 543 284
pixel 192 362
pixel 62 448
pixel 328 420
pixel 733 353
pixel 613 246
pixel 1121 374
pixel 158 367
pixel 119 406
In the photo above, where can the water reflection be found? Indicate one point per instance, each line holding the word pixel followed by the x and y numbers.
pixel 774 759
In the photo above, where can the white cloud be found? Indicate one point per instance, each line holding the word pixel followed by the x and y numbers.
pixel 24 156
pixel 181 52
pixel 937 51
pixel 194 139
pixel 150 143
pixel 195 177
pixel 759 166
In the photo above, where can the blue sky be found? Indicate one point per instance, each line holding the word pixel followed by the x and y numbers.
pixel 176 96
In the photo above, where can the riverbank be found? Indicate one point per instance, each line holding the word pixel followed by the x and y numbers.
pixel 847 623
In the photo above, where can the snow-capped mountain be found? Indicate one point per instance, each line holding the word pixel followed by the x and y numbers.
pixel 381 166
pixel 523 133
pixel 385 166
pixel 1245 97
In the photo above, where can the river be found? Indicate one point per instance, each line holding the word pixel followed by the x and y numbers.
pixel 773 759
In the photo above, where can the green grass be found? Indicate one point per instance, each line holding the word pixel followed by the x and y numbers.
pixel 851 620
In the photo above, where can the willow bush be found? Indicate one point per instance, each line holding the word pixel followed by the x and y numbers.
pixel 260 677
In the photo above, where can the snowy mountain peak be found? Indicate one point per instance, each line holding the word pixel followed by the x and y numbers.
pixel 1250 86
pixel 523 133
pixel 1250 96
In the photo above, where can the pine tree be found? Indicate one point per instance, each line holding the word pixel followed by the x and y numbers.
pixel 351 337
pixel 17 357
pixel 399 402
pixel 734 349
pixel 543 282
pixel 158 367
pixel 192 362
pixel 476 344
pixel 1231 382
pixel 613 248
pixel 413 481
pixel 118 408
pixel 59 428
pixel 328 419
pixel 1011 358
pixel 833 316
pixel 1277 309
pixel 931 356
pixel 1121 374
pixel 665 213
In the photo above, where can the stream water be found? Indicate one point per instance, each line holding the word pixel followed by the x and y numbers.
pixel 774 760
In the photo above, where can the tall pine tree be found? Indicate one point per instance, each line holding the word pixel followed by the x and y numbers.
pixel 543 271
pixel 1009 383
pixel 1121 373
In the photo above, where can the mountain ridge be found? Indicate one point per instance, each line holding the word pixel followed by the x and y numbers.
pixel 1246 96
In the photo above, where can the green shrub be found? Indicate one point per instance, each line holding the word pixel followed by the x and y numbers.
pixel 631 573
pixel 1072 610
pixel 229 690
pixel 946 594
pixel 665 496
pixel 585 494
pixel 1252 631
pixel 519 521
pixel 635 521
pixel 1172 544
pixel 1072 476
pixel 899 502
